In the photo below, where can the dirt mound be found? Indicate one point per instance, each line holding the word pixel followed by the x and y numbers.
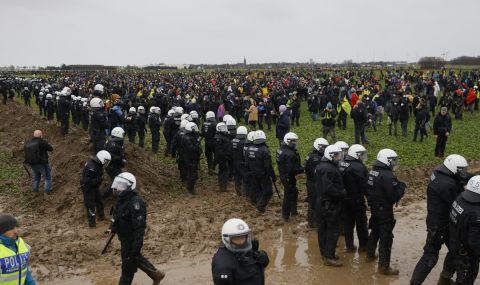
pixel 178 224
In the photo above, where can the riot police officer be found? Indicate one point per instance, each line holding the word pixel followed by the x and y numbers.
pixel 384 191
pixel 247 180
pixel 355 177
pixel 154 123
pixel 169 129
pixel 223 151
pixel 238 260
pixel 330 193
pixel 129 223
pixel 446 183
pixel 190 145
pixel 90 182
pixel 114 146
pixel 208 133
pixel 131 124
pixel 288 162
pixel 259 166
pixel 238 143
pixel 63 107
pixel 465 232
pixel 311 162
pixel 141 126
pixel 99 127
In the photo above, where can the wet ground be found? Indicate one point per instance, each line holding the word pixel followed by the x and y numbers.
pixel 295 259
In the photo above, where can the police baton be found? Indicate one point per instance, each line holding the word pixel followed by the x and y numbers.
pixel 26 169
pixel 108 243
pixel 276 189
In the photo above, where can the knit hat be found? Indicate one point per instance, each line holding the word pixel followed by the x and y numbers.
pixel 7 222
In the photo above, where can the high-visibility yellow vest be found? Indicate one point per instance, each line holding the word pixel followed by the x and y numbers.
pixel 13 265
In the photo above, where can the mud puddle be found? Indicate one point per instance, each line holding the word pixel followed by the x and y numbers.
pixel 295 259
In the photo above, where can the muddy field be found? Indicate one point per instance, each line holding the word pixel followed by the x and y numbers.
pixel 183 231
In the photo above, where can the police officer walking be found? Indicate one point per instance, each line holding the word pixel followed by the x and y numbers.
pixel 141 126
pixel 223 150
pixel 154 122
pixel 384 191
pixel 259 166
pixel 129 223
pixel 288 162
pixel 238 143
pixel 330 193
pixel 63 107
pixel 311 162
pixel 238 260
pixel 115 147
pixel 446 183
pixel 190 145
pixel 90 182
pixel 355 177
pixel 99 127
pixel 465 232
pixel 208 133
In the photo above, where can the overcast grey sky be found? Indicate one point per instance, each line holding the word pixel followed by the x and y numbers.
pixel 121 32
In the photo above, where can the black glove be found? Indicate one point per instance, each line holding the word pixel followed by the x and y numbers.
pixel 263 258
pixel 255 244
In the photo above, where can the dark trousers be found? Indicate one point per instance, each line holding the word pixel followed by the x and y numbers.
pixel 93 203
pixel 404 125
pixel 98 140
pixel 328 226
pixel 141 138
pixel 262 189
pixel 130 264
pixel 311 200
pixel 440 146
pixel 295 118
pixel 382 234
pixel 238 172
pixel 223 174
pixel 435 239
pixel 248 188
pixel 191 175
pixel 182 167
pixel 209 153
pixel 360 134
pixel 419 128
pixel 355 216
pixel 64 123
pixel 268 119
pixel 5 97
pixel 393 124
pixel 155 141
pixel 131 135
pixel 342 121
pixel 290 197
pixel 466 267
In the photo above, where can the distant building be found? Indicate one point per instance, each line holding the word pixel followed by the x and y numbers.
pixel 245 61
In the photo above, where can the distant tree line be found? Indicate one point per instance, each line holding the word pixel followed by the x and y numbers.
pixel 438 62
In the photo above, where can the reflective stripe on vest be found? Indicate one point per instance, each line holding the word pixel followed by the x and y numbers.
pixel 13 265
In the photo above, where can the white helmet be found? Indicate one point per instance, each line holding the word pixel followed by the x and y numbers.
pixel 320 143
pixel 104 157
pixel 332 153
pixel 141 109
pixel 124 183
pixel 25 88
pixel 226 118
pixel 96 103
pixel 191 127
pixel 99 88
pixel 242 131
pixel 40 94
pixel 282 108
pixel 118 132
pixel 178 111
pixel 358 151
pixel 290 139
pixel 210 115
pixel 235 228
pixel 388 157
pixel 84 100
pixel 156 110
pixel 152 109
pixel 231 124
pixel 221 127
pixel 132 110
pixel 63 93
pixel 259 137
pixel 473 184
pixel 194 115
pixel 183 124
pixel 343 145
pixel 49 96
pixel 250 136
pixel 73 97
pixel 170 113
pixel 186 117
pixel 67 90
pixel 455 163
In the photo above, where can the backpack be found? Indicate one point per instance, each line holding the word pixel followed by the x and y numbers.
pixel 32 152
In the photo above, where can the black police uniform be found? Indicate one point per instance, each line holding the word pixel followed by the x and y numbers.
pixel 84 117
pixel 169 130
pixel 49 108
pixel 190 144
pixel 129 223
pixel 465 236
pixel 154 123
pixel 441 126
pixel 141 122
pixel 230 268
pixel 247 176
pixel 223 152
pixel 384 191
pixel 177 152
pixel 261 173
pixel 311 162
pixel 131 127
pixel 114 146
pixel 238 163
pixel 355 177
pixel 330 193
pixel 98 130
pixel 63 107
pixel 208 133
pixel 442 190
pixel 288 162
pixel 90 182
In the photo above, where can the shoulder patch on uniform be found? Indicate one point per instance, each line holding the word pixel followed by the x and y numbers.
pixel 374 173
pixel 136 206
